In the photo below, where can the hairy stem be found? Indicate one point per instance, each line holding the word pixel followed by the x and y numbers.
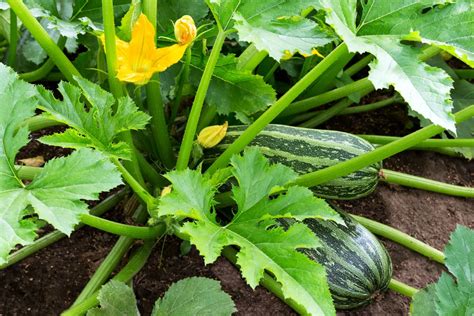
pixel 44 40
pixel 425 184
pixel 193 120
pixel 401 238
pixel 279 106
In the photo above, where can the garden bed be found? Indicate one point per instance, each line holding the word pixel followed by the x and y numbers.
pixel 49 281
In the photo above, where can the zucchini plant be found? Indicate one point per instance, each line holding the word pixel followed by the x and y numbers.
pixel 152 95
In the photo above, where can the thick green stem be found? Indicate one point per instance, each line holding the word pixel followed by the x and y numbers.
pixel 465 73
pixel 378 154
pixel 150 173
pixel 159 127
pixel 13 40
pixel 209 113
pixel 135 185
pixel 351 110
pixel 56 235
pixel 183 80
pixel 359 65
pixel 45 68
pixel 193 120
pixel 339 93
pixel 111 51
pixel 402 288
pixel 136 263
pixel 45 41
pixel 325 115
pixel 401 238
pixel 136 232
pixel 150 8
pixel 429 143
pixel 425 184
pixel 277 108
pixel 250 58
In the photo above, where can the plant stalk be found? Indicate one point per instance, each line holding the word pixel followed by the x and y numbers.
pixel 428 143
pixel 43 38
pixel 136 263
pixel 279 106
pixel 401 238
pixel 402 288
pixel 44 69
pixel 378 154
pixel 407 180
pixel 13 40
pixel 250 58
pixel 135 232
pixel 194 115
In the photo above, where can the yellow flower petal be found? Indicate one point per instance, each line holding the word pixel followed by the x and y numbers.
pixel 212 135
pixel 139 59
pixel 185 30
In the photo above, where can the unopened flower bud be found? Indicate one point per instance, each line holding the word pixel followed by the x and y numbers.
pixel 166 190
pixel 185 30
pixel 212 135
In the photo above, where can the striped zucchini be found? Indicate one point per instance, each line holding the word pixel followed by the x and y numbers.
pixel 306 150
pixel 357 265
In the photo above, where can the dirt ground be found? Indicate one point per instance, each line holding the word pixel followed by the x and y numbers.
pixel 49 281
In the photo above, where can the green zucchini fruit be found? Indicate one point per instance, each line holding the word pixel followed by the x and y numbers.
pixel 358 266
pixel 306 150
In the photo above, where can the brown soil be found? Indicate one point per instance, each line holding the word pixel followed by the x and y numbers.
pixel 48 282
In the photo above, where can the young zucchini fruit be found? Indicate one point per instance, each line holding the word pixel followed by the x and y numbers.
pixel 306 150
pixel 358 266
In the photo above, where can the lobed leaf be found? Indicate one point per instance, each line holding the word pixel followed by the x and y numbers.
pixel 97 127
pixel 426 89
pixel 263 244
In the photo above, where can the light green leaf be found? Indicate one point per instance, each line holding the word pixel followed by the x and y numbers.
pixel 424 302
pixel 193 296
pixel 223 11
pixel 277 27
pixel 426 89
pixel 97 127
pixel 463 96
pixel 263 244
pixel 54 197
pixel 171 10
pixel 449 296
pixel 116 299
pixel 449 26
pixel 232 90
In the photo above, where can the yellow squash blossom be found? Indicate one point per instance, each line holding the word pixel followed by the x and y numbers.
pixel 139 59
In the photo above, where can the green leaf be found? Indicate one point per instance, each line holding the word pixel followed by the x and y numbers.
pixel 171 10
pixel 54 197
pixel 116 299
pixel 232 90
pixel 452 297
pixel 92 9
pixel 463 96
pixel 192 296
pixel 223 10
pixel 449 26
pixel 263 244
pixel 424 302
pixel 97 127
pixel 426 89
pixel 277 27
